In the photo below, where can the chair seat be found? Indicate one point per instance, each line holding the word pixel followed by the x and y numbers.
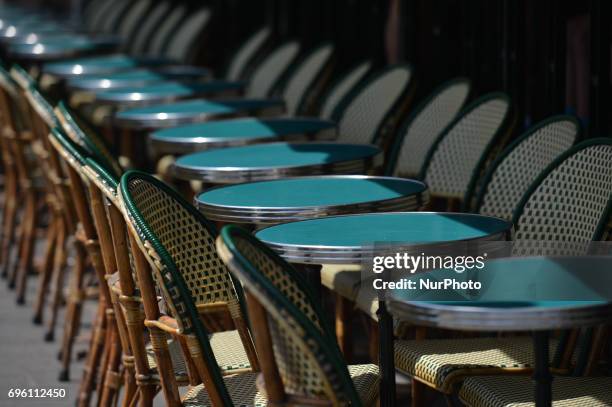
pixel 441 363
pixel 178 361
pixel 343 280
pixel 518 391
pixel 243 388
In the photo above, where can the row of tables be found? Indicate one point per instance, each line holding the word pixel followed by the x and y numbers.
pixel 332 214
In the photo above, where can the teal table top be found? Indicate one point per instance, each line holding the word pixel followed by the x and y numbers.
pixel 311 191
pixel 519 293
pixel 288 199
pixel 354 231
pixel 136 77
pixel 58 47
pixel 223 133
pixel 164 90
pixel 124 76
pixel 276 160
pixel 98 65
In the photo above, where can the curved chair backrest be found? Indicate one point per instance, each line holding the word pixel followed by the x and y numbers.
pixel 82 134
pixel 341 88
pixel 310 362
pixel 183 41
pixel 569 203
pixel 95 11
pixel 114 15
pixel 146 31
pixel 42 107
pixel 267 74
pixel 132 18
pixel 304 78
pixel 245 54
pixel 424 126
pixel 462 149
pixel 366 109
pixel 161 37
pixel 515 169
pixel 12 102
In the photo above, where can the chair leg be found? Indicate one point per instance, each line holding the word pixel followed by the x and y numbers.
pixel 100 369
pixel 112 378
pixel 29 240
pixel 45 270
pixel 8 225
pixel 13 258
pixel 73 311
pixel 344 320
pixel 59 265
pixel 93 357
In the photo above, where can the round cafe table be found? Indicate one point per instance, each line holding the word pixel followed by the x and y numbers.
pixel 538 294
pixel 60 47
pixel 196 110
pixel 137 77
pixel 350 240
pixel 99 65
pixel 260 162
pixel 239 132
pixel 164 92
pixel 292 199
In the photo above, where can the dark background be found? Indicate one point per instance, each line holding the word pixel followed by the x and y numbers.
pixel 522 47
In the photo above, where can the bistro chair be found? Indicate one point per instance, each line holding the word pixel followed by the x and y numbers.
pixel 464 149
pixel 242 60
pixel 341 87
pixel 514 170
pixel 178 242
pixel 424 125
pixel 300 359
pixel 577 179
pixel 370 112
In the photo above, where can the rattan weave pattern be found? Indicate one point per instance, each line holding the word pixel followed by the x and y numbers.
pixel 462 146
pixel 242 388
pixel 568 205
pixel 271 69
pixel 304 77
pixel 512 176
pixel 518 391
pixel 342 88
pixel 189 243
pixel 439 361
pixel 425 127
pixel 364 114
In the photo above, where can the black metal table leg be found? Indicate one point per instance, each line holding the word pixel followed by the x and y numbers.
pixel 541 375
pixel 386 355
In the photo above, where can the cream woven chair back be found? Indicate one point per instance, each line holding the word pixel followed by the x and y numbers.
pixel 304 78
pixel 184 39
pixel 307 357
pixel 146 30
pixel 174 236
pixel 341 88
pixel 160 38
pixel 132 18
pixel 245 54
pixel 569 204
pixel 268 73
pixel 519 165
pixel 425 125
pixel 369 105
pixel 95 11
pixel 463 148
pixel 113 16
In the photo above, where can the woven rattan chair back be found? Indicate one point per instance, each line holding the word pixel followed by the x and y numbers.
pixel 243 57
pixel 183 41
pixel 144 33
pixel 132 18
pixel 569 204
pixel 12 108
pixel 110 23
pixel 341 88
pixel 368 108
pixel 307 358
pixel 163 34
pixel 515 169
pixel 267 74
pixel 21 77
pixel 461 151
pixel 85 136
pixel 424 126
pixel 304 82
